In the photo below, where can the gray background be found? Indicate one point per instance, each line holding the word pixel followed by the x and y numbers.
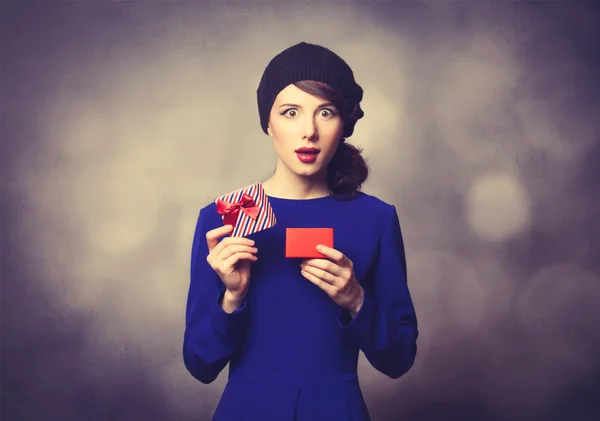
pixel 121 119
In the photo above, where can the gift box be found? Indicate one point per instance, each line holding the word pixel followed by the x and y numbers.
pixel 302 242
pixel 247 209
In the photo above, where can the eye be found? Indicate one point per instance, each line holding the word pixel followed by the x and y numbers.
pixel 328 112
pixel 290 112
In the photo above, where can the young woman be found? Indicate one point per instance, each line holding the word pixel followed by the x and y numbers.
pixel 291 329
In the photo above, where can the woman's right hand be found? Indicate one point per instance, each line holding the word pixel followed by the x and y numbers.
pixel 231 259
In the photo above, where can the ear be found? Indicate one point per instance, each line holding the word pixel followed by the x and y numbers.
pixel 269 131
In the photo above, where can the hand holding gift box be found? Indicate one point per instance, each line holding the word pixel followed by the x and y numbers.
pixel 247 209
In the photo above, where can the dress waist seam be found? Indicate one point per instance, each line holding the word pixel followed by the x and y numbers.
pixel 293 384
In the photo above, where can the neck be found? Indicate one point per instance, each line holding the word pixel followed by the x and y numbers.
pixel 286 184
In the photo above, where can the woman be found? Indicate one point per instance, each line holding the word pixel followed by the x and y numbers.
pixel 291 330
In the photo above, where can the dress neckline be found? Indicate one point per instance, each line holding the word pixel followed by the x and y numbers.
pixel 288 199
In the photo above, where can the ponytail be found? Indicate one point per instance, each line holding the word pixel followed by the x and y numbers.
pixel 347 171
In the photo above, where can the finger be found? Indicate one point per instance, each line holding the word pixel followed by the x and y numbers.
pixel 326 265
pixel 231 249
pixel 328 288
pixel 230 262
pixel 212 236
pixel 335 255
pixel 232 240
pixel 320 273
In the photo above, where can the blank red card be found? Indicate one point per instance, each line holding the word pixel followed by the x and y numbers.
pixel 302 242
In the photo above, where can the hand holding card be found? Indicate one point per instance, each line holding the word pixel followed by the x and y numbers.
pixel 302 242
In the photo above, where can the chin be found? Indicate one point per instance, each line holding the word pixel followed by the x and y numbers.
pixel 305 173
pixel 313 167
pixel 304 170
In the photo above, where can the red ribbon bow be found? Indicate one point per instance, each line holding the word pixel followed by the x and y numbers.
pixel 232 210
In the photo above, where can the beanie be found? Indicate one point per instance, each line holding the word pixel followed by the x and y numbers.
pixel 306 61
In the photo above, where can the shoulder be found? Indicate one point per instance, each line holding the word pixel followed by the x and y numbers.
pixel 373 206
pixel 208 208
pixel 369 214
pixel 207 217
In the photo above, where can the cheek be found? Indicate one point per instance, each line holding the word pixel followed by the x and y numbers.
pixel 281 140
pixel 333 129
pixel 332 139
pixel 331 152
pixel 284 135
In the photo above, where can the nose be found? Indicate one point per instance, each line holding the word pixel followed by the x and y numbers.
pixel 310 129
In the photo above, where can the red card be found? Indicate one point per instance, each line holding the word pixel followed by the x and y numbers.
pixel 302 242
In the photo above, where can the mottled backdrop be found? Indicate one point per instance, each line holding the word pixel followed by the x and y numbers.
pixel 121 119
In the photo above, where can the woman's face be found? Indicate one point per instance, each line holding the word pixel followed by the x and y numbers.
pixel 298 120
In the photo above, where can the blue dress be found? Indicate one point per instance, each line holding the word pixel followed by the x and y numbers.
pixel 292 351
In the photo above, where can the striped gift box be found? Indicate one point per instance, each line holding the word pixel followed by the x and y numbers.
pixel 247 209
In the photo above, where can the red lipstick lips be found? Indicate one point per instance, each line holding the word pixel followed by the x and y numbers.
pixel 307 155
pixel 307 150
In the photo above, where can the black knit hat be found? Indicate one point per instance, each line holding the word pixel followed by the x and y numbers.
pixel 306 61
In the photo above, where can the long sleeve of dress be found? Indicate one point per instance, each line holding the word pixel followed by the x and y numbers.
pixel 385 327
pixel 211 335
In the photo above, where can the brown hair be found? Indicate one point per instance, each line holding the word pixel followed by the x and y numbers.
pixel 347 170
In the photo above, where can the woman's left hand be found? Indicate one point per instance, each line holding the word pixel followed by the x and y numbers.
pixel 336 277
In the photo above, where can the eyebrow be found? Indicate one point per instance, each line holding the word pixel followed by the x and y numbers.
pixel 326 104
